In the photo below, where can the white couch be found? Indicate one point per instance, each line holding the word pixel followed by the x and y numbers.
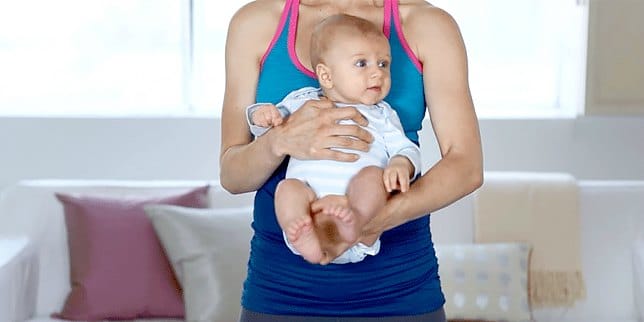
pixel 36 280
pixel 36 276
pixel 611 215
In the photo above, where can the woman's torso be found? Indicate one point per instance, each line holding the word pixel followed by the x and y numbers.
pixel 402 279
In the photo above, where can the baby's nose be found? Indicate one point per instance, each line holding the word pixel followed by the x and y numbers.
pixel 376 72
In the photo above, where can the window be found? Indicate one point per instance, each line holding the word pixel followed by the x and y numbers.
pixel 526 57
pixel 211 20
pixel 166 57
pixel 112 58
pixel 93 57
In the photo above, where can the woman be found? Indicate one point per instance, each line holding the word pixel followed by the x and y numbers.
pixel 267 56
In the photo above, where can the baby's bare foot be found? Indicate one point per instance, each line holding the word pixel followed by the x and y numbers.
pixel 302 237
pixel 346 222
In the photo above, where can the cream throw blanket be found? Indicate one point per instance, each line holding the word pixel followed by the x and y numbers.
pixel 542 210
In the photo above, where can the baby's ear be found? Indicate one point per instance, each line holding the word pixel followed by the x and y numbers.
pixel 324 76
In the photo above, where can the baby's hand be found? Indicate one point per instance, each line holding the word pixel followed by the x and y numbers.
pixel 267 116
pixel 396 175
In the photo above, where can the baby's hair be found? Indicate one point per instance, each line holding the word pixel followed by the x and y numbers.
pixel 326 31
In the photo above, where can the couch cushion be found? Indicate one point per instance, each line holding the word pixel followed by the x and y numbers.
pixel 485 281
pixel 30 209
pixel 208 249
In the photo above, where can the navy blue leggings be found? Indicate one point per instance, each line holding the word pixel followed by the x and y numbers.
pixel 250 316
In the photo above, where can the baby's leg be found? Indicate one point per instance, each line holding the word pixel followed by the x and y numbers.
pixel 367 195
pixel 345 224
pixel 292 208
pixel 331 241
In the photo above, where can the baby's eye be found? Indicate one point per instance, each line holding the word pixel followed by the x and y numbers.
pixel 361 63
pixel 383 64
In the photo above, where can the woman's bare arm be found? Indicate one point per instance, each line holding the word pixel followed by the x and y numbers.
pixel 440 47
pixel 245 164
pixel 309 133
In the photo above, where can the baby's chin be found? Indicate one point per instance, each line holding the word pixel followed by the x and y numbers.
pixel 371 100
pixel 363 100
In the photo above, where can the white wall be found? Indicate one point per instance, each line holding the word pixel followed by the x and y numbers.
pixel 188 148
pixel 81 148
pixel 590 148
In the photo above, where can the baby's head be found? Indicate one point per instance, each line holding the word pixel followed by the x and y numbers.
pixel 351 58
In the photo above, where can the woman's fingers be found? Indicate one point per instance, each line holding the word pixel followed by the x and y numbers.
pixel 333 115
pixel 346 142
pixel 328 154
pixel 314 132
pixel 349 130
pixel 347 113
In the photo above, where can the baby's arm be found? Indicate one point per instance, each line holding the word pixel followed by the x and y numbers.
pixel 404 163
pixel 266 115
pixel 262 116
pixel 398 173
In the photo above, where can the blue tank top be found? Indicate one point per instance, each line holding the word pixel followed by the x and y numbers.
pixel 403 278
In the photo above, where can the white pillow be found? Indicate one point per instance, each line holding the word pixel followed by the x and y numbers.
pixel 208 250
pixel 485 281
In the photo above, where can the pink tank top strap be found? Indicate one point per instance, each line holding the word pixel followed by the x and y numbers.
pixel 391 10
pixel 280 27
pixel 292 35
pixel 386 21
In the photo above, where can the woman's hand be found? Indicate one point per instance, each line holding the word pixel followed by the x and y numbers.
pixel 312 133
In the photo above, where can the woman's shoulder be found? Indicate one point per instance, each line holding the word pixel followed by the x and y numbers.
pixel 253 25
pixel 258 15
pixel 418 13
pixel 423 21
pixel 263 7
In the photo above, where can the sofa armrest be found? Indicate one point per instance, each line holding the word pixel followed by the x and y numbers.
pixel 18 279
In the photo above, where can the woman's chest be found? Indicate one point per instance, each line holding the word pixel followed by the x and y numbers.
pixel 310 16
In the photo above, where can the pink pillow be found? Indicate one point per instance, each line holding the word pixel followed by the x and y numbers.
pixel 118 268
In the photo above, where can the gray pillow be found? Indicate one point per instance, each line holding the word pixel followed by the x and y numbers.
pixel 208 250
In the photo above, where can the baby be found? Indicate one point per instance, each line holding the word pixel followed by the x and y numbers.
pixel 351 58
